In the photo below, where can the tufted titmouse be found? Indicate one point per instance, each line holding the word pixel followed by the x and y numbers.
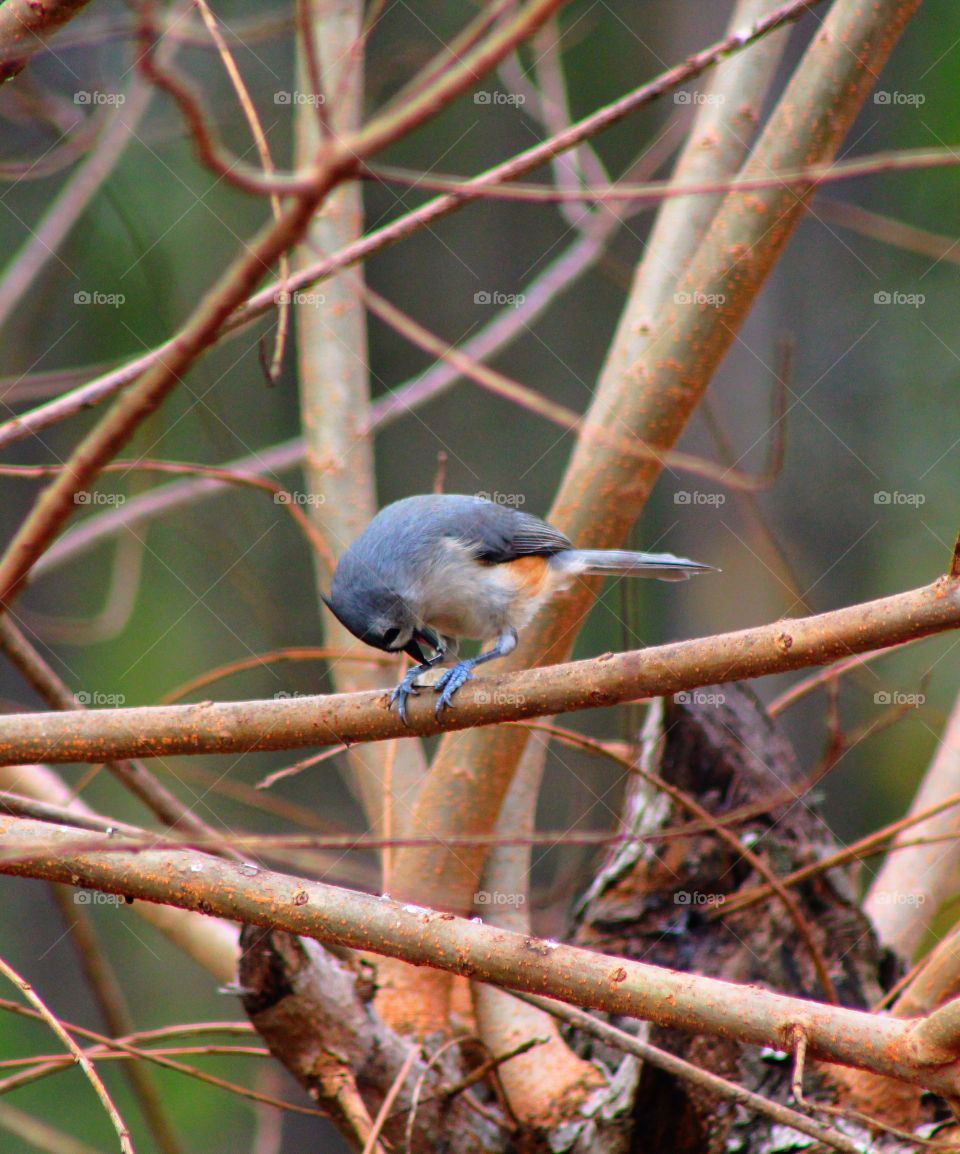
pixel 437 568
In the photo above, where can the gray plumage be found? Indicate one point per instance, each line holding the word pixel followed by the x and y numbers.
pixel 436 568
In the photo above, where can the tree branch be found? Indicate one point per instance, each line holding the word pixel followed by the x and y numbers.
pixel 425 937
pixel 611 679
pixel 265 300
pixel 651 384
pixel 25 26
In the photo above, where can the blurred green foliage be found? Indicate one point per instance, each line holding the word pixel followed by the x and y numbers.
pixel 871 410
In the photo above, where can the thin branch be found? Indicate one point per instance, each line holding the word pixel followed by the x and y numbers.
pixel 373 1139
pixel 795 693
pixel 654 191
pixel 266 160
pixel 262 660
pixel 106 1048
pixel 888 230
pixel 79 1056
pixel 226 476
pixel 679 1068
pixel 865 847
pixel 516 961
pixel 265 300
pixel 611 679
pixel 25 27
pixel 145 507
pixel 503 386
pixel 94 961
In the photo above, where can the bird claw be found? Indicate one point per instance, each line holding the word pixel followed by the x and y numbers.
pixel 450 682
pixel 446 685
pixel 406 688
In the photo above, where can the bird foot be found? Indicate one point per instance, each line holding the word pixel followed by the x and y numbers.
pixel 406 689
pixel 450 681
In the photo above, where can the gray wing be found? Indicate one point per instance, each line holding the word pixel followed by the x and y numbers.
pixel 532 536
pixel 501 533
pixel 498 532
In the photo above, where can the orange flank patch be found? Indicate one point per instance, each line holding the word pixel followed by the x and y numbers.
pixel 528 575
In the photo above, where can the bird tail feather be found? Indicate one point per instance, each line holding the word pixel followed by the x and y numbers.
pixel 620 562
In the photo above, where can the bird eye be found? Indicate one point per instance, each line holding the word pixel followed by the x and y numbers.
pixel 389 637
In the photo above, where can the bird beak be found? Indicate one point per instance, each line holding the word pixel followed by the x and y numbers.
pixel 429 638
pixel 415 651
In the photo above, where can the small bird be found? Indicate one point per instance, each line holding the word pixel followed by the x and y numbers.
pixel 434 569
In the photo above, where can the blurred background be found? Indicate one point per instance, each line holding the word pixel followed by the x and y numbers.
pixel 864 505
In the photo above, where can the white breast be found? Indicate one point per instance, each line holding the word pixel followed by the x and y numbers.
pixel 459 597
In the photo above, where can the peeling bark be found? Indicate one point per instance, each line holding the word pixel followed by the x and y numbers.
pixel 662 901
pixel 314 1011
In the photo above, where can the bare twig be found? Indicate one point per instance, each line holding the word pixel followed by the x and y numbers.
pixel 679 1068
pixel 25 28
pixel 79 1056
pixel 108 994
pixel 503 386
pixel 266 160
pixel 95 736
pixel 211 943
pixel 265 300
pixel 424 937
pixel 262 660
pixel 373 1139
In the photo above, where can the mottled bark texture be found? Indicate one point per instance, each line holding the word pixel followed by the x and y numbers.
pixel 661 901
pixel 314 1011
